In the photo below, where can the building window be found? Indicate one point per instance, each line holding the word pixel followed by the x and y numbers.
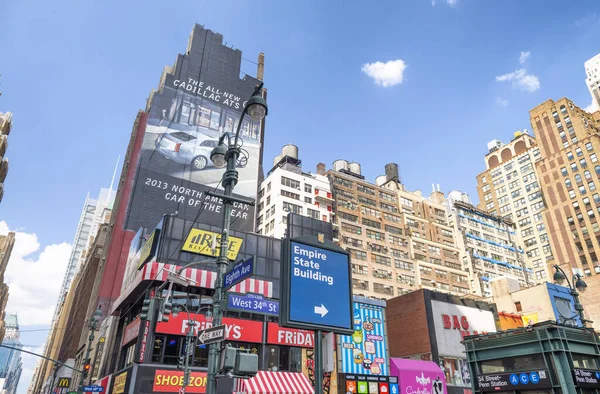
pixel 589 146
pixel 308 200
pixel 582 163
pixel 295 196
pixel 290 183
pixel 518 306
pixel 573 167
pixel 578 151
pixel 587 174
pixel 371 223
pixel 591 186
pixel 312 213
pixel 593 158
pixel 570 156
pixel 578 178
pixel 307 188
pixel 287 207
pixel 269 187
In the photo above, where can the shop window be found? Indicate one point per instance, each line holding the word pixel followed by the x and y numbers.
pixel 518 306
pixel 284 358
pixel 529 362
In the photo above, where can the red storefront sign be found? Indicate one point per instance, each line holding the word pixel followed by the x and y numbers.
pixel 169 381
pixel 131 331
pixel 460 323
pixel 277 335
pixel 235 329
pixel 144 343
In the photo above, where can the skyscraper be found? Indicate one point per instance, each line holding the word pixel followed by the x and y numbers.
pixel 94 213
pixel 509 188
pixel 592 71
pixel 10 359
pixel 7 242
pixel 569 171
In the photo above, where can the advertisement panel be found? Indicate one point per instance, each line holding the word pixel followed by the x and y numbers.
pixel 169 381
pixel 416 376
pixel 119 383
pixel 131 331
pixel 532 380
pixel 235 329
pixel 364 352
pixel 193 107
pixel 208 243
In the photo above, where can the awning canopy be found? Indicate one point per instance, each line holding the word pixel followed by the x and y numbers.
pixel 269 382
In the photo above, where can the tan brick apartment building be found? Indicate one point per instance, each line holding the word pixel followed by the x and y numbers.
pixel 569 170
pixel 399 240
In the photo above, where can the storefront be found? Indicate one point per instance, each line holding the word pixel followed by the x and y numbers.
pixel 545 358
pixel 438 322
pixel 416 376
pixel 364 354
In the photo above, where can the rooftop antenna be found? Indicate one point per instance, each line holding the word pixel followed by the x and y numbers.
pixel 112 182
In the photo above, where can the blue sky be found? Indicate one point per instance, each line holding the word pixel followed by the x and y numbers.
pixel 74 76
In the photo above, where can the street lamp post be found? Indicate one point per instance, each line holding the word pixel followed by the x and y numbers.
pixel 560 277
pixel 189 339
pixel 221 156
pixel 92 325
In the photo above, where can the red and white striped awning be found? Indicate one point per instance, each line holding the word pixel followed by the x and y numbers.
pixel 202 278
pixel 206 279
pixel 269 382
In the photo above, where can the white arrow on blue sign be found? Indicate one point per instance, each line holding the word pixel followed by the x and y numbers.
pixel 239 272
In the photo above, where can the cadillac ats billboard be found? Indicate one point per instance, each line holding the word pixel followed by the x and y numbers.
pixel 194 106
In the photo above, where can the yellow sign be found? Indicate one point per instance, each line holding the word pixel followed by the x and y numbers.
pixel 64 382
pixel 147 250
pixel 531 318
pixel 102 340
pixel 202 241
pixel 119 383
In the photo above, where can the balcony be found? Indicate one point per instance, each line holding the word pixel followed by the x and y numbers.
pixel 323 195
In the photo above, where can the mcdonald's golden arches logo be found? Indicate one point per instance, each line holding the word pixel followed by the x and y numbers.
pixel 64 382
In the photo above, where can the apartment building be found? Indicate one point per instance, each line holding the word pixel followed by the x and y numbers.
pixel 5 126
pixel 288 189
pixel 7 242
pixel 509 188
pixel 399 240
pixel 569 170
pixel 490 247
pixel 592 72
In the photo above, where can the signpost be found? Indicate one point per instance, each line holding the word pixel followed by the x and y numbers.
pixel 588 378
pixel 238 273
pixel 212 334
pixel 255 303
pixel 93 389
pixel 316 291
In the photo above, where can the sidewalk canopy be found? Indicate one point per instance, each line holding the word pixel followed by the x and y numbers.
pixel 269 382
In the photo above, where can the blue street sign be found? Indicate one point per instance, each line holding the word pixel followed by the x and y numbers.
pixel 534 377
pixel 318 287
pixel 524 378
pixel 255 303
pixel 93 389
pixel 239 272
pixel 514 379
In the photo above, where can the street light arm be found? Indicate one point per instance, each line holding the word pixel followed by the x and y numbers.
pixel 556 267
pixel 256 92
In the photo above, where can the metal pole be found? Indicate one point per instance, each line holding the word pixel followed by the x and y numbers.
pixel 188 345
pixel 318 362
pixel 230 179
pixel 53 377
pixel 87 354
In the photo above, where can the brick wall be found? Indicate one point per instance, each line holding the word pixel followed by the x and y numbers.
pixel 408 333
pixel 591 300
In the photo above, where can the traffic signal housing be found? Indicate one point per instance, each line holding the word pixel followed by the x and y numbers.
pixel 147 306
pixel 86 368
pixel 166 311
pixel 181 362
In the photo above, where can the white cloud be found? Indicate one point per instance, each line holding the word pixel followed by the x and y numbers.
pixel 593 107
pixel 34 280
pixel 524 56
pixel 433 3
pixel 501 102
pixel 451 3
pixel 386 74
pixel 522 80
pixel 585 20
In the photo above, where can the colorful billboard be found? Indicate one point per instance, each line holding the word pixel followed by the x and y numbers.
pixel 195 104
pixel 365 351
pixel 416 376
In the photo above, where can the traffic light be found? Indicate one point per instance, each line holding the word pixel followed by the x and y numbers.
pixel 181 362
pixel 147 306
pixel 167 307
pixel 86 368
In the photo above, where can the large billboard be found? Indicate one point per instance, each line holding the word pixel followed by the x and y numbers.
pixel 365 351
pixel 194 106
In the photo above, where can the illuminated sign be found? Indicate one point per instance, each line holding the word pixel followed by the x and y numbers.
pixel 64 382
pixel 277 335
pixel 169 381
pixel 202 241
